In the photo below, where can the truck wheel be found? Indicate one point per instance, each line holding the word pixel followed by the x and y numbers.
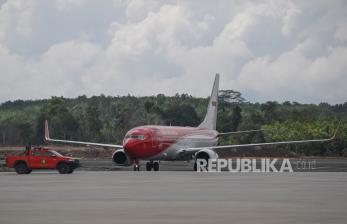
pixel 63 168
pixel 21 168
pixel 71 170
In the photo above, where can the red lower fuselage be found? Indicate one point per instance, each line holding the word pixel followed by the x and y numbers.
pixel 163 142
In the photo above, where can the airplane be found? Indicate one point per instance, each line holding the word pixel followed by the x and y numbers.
pixel 154 143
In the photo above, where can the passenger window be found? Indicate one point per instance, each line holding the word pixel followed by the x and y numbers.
pixel 48 154
pixel 36 153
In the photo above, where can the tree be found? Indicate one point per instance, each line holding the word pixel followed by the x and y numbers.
pixel 93 122
pixel 182 115
pixel 231 96
pixel 270 111
pixel 236 118
pixel 63 124
pixel 148 106
pixel 229 121
pixel 40 129
pixel 25 132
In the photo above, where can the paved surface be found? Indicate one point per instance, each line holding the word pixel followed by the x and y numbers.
pixel 173 197
pixel 298 165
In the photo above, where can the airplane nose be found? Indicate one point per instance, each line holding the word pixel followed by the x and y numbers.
pixel 130 146
pixel 126 145
pixel 137 143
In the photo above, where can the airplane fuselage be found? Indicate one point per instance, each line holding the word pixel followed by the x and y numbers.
pixel 164 142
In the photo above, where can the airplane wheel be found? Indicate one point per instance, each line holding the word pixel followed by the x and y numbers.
pixel 156 166
pixel 149 166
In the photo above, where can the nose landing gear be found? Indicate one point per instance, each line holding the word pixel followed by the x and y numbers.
pixel 152 165
pixel 136 165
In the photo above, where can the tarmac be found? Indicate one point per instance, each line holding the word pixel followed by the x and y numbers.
pixel 173 197
pixel 298 165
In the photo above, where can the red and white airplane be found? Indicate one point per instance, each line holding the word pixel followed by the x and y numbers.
pixel 155 143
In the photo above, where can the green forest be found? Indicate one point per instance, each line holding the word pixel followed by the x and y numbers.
pixel 107 118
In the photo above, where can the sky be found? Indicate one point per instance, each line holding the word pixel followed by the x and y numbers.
pixel 268 50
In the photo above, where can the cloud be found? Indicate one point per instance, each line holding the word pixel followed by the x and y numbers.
pixel 16 19
pixel 268 50
pixel 292 74
pixel 59 71
pixel 68 4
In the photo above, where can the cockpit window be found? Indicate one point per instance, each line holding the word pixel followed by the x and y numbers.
pixel 139 137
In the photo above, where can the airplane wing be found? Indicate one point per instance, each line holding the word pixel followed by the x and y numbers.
pixel 195 149
pixel 239 132
pixel 243 132
pixel 47 138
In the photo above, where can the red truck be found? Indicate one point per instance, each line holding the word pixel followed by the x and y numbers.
pixel 41 158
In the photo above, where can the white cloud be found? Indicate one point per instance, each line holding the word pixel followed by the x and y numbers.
pixel 57 72
pixel 321 79
pixel 16 18
pixel 137 10
pixel 64 5
pixel 268 50
pixel 341 32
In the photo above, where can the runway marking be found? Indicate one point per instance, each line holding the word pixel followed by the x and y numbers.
pixel 322 167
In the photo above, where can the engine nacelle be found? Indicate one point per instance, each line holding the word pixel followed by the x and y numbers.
pixel 206 154
pixel 121 158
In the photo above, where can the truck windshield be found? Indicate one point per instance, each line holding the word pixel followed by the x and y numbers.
pixel 56 153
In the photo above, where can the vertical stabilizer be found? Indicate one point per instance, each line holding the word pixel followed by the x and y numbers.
pixel 210 120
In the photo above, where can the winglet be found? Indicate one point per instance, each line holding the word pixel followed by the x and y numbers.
pixel 336 131
pixel 46 131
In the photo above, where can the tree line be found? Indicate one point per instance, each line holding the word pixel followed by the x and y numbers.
pixel 107 119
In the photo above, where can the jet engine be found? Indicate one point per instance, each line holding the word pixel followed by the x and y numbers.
pixel 206 154
pixel 121 158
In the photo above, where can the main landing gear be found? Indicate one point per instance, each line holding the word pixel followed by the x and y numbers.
pixel 152 165
pixel 149 165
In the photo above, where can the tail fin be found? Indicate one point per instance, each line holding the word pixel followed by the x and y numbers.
pixel 210 120
pixel 46 131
